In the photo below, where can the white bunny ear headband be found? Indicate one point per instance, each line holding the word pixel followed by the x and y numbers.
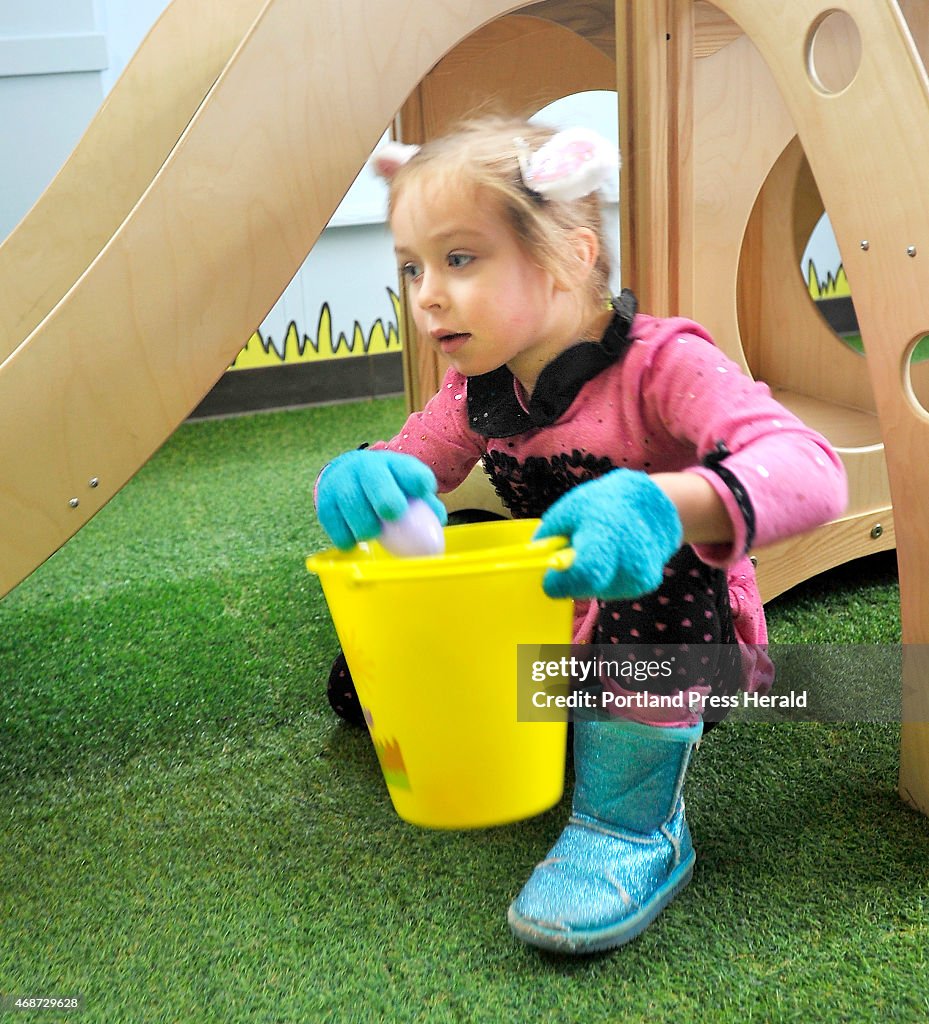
pixel 573 163
pixel 391 157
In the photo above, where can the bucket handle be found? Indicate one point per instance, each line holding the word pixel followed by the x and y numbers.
pixel 563 558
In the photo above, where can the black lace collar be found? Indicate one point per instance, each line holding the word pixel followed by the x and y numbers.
pixel 495 411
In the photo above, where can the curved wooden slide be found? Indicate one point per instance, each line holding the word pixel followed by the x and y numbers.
pixel 193 198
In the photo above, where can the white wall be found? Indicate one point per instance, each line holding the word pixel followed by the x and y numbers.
pixel 51 56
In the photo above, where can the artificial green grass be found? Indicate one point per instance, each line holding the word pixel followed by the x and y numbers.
pixel 188 834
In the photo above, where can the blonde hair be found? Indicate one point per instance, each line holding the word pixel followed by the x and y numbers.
pixel 484 153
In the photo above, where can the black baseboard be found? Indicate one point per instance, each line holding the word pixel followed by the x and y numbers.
pixel 839 314
pixel 325 380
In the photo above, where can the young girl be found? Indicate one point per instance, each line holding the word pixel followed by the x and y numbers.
pixel 635 437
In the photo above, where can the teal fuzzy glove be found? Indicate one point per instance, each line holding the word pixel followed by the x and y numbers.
pixel 623 529
pixel 360 490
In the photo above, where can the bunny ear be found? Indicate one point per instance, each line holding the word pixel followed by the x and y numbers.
pixel 391 157
pixel 573 163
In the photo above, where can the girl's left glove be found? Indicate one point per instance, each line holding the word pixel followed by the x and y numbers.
pixel 623 529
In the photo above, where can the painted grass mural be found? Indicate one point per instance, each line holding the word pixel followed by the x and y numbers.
pixel 833 286
pixel 303 348
pixel 297 347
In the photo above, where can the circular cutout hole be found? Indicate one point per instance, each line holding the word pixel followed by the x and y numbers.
pixel 833 52
pixel 917 372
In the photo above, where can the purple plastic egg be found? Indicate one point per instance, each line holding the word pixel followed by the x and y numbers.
pixel 415 534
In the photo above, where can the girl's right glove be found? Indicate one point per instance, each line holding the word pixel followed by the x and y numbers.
pixel 360 490
pixel 623 529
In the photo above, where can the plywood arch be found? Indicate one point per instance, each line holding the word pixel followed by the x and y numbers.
pixel 868 158
pixel 774 301
pixel 869 163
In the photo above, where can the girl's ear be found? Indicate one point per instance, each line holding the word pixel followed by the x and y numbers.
pixel 585 246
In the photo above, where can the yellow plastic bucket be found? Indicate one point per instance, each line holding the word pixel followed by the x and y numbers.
pixel 432 648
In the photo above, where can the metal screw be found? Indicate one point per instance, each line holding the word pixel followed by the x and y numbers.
pixel 865 244
pixel 94 481
pixel 74 502
pixel 876 531
pixel 753 560
pixel 911 250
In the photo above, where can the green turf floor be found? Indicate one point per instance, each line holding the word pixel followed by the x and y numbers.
pixel 188 834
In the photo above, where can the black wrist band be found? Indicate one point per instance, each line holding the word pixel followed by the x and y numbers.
pixel 714 461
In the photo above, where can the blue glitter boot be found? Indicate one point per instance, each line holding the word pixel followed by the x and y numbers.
pixel 626 852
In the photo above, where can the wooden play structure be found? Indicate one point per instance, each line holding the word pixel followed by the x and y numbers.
pixel 225 147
